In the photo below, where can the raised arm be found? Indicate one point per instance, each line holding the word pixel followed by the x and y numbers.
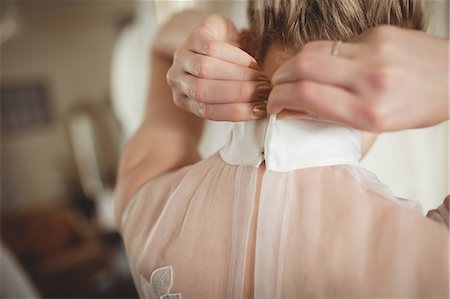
pixel 168 137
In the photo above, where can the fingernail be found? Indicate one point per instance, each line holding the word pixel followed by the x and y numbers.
pixel 263 86
pixel 263 78
pixel 254 65
pixel 260 109
pixel 262 92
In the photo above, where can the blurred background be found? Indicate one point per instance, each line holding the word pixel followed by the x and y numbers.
pixel 73 80
pixel 60 142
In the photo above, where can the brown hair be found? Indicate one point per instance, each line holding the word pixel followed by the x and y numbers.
pixel 293 23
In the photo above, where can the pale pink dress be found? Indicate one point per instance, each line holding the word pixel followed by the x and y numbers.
pixel 306 223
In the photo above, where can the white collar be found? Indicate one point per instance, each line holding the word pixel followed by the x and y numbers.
pixel 288 144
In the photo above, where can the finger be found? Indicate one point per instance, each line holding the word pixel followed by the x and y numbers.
pixel 235 112
pixel 319 68
pixel 223 112
pixel 317 100
pixel 291 114
pixel 207 67
pixel 194 107
pixel 345 49
pixel 188 104
pixel 299 115
pixel 219 91
pixel 207 45
pixel 220 27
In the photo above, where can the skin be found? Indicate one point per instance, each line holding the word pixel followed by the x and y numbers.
pixel 213 78
pixel 280 57
pixel 380 79
pixel 387 79
pixel 168 136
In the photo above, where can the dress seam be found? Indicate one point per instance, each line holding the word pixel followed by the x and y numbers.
pixel 234 234
pixel 283 236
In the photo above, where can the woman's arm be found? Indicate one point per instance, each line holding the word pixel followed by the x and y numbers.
pixel 168 137
pixel 441 213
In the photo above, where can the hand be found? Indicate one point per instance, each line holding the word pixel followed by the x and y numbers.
pixel 215 79
pixel 386 79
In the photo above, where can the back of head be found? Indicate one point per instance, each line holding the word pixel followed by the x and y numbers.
pixel 292 23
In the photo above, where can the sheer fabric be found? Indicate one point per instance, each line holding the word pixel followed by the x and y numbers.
pixel 309 222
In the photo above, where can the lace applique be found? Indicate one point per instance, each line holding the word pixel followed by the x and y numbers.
pixel 158 287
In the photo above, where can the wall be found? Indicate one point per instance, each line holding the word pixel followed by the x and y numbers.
pixel 67 45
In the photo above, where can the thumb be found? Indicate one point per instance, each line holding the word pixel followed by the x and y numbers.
pixel 221 28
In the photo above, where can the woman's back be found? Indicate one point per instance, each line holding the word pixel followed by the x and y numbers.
pixel 283 210
pixel 315 229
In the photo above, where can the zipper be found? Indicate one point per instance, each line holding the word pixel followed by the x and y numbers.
pixel 266 136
